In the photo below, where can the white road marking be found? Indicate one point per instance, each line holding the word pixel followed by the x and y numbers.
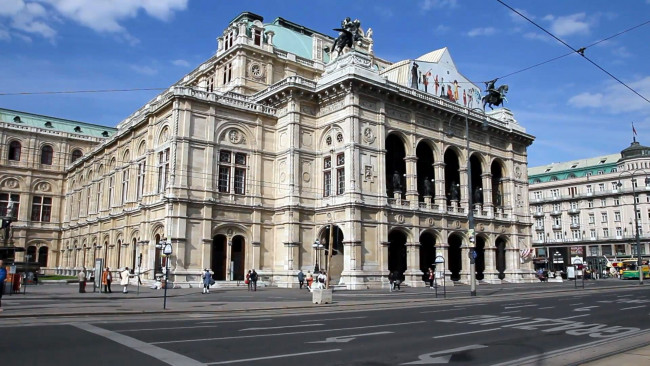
pixel 439 311
pixel 234 321
pixel 348 338
pixel 519 306
pixel 547 307
pixel 287 333
pixel 511 311
pixel 426 359
pixel 586 308
pixel 633 307
pixel 167 328
pixel 472 332
pixel 576 304
pixel 166 356
pixel 574 316
pixel 272 357
pixel 324 320
pixel 282 327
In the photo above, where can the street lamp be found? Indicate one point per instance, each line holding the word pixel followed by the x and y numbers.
pixel 317 247
pixel 166 247
pixel 470 205
pixel 636 218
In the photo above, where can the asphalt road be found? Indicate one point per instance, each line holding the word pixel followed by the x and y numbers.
pixel 479 331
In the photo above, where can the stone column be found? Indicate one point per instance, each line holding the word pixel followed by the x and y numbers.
pixel 228 257
pixel 443 250
pixel 413 274
pixel 411 179
pixel 206 254
pixel 440 197
pixel 352 276
pixel 464 187
pixel 490 274
pixel 487 193
pixel 383 261
pixel 255 257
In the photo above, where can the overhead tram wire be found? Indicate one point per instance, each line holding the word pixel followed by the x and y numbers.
pixel 579 51
pixel 571 53
pixel 81 91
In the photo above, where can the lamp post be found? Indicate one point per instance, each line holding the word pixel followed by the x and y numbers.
pixel 317 248
pixel 636 218
pixel 142 243
pixel 557 258
pixel 166 247
pixel 470 205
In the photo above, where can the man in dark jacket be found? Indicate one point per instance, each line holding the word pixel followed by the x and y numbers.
pixel 301 279
pixel 254 279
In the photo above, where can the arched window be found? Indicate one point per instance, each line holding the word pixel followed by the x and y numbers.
pixel 46 155
pixel 76 154
pixel 30 255
pixel 42 256
pixel 14 150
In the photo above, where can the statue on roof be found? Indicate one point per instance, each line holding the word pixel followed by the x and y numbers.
pixel 495 96
pixel 349 34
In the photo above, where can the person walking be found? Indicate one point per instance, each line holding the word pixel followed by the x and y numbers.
pixel 310 280
pixel 254 279
pixel 301 278
pixel 207 281
pixel 125 280
pixel 397 281
pixel 431 277
pixel 321 280
pixel 3 277
pixel 106 280
pixel 248 280
pixel 82 280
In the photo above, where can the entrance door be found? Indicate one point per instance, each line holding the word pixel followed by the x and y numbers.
pixel 480 258
pixel 238 258
pixel 397 253
pixel 218 258
pixel 427 254
pixel 501 257
pixel 455 257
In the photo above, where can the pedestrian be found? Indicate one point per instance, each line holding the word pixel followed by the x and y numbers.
pixel 431 277
pixel 301 278
pixel 310 280
pixel 3 277
pixel 82 280
pixel 125 280
pixel 396 281
pixel 321 280
pixel 254 279
pixel 248 280
pixel 391 281
pixel 207 281
pixel 106 280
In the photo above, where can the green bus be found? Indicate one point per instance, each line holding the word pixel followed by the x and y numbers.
pixel 629 270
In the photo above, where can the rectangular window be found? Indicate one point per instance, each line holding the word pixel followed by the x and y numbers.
pixel 327 183
pixel 606 249
pixel 589 188
pixel 590 203
pixel 540 236
pixel 619 231
pixel 99 197
pixel 603 217
pixel 575 234
pixel 573 191
pixel 574 205
pixel 125 185
pixel 605 232
pixel 240 178
pixel 603 202
pixel 557 221
pixel 601 187
pixel 340 181
pixel 257 37
pixel 593 250
pixel 224 179
pixel 592 233
pixel 556 207
pixel 614 186
pixel 537 195
pixel 141 172
pixel 558 235
pixel 555 193
pixel 539 223
pixel 617 201
pixel 163 170
pixel 227 73
pixel 4 203
pixel 575 219
pixel 592 219
pixel 111 188
pixel 41 208
pixel 617 216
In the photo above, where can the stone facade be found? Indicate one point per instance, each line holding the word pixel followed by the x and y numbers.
pixel 254 157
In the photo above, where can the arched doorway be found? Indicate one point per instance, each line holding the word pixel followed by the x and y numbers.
pixel 30 254
pixel 425 170
pixel 480 257
pixel 133 254
pixel 497 185
pixel 397 252
pixel 218 257
pixel 336 267
pixel 42 256
pixel 395 165
pixel 427 254
pixel 157 257
pixel 452 176
pixel 455 257
pixel 501 257
pixel 238 258
pixel 477 181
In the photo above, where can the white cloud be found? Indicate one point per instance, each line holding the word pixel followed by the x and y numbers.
pixel 4 35
pixel 537 36
pixel 441 29
pixel 181 63
pixel 615 98
pixel 143 69
pixel 518 18
pixel 569 24
pixel 487 31
pixel 437 4
pixel 38 16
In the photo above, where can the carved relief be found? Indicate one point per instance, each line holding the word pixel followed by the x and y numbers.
pixel 332 107
pixel 368 173
pixel 396 113
pixel 368 135
pixel 43 186
pixel 283 139
pixel 399 218
pixel 369 104
pixel 11 183
pixel 235 137
pixel 308 110
pixel 256 70
pixel 457 224
pixel 306 139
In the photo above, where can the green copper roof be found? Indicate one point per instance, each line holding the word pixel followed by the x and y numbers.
pixel 573 169
pixel 55 124
pixel 294 38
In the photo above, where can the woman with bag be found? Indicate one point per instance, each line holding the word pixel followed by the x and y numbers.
pixel 248 280
pixel 207 281
pixel 431 277
pixel 106 280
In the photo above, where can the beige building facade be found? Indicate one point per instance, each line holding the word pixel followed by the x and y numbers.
pixel 252 158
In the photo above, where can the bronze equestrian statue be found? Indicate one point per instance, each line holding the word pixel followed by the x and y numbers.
pixel 495 96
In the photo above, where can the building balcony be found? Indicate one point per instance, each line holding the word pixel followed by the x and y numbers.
pixel 539 228
pixel 574 211
pixel 557 227
pixel 575 226
pixel 538 214
pixel 556 213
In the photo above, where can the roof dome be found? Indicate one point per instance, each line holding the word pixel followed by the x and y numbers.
pixel 635 150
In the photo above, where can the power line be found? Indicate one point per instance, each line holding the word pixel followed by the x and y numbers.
pixel 580 51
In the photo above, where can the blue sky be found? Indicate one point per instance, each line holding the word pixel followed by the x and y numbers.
pixel 574 110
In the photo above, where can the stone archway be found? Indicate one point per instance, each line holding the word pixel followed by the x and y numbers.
pixel 218 254
pixel 427 253
pixel 455 264
pixel 500 258
pixel 336 267
pixel 452 177
pixel 425 170
pixel 480 257
pixel 397 252
pixel 395 166
pixel 238 258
